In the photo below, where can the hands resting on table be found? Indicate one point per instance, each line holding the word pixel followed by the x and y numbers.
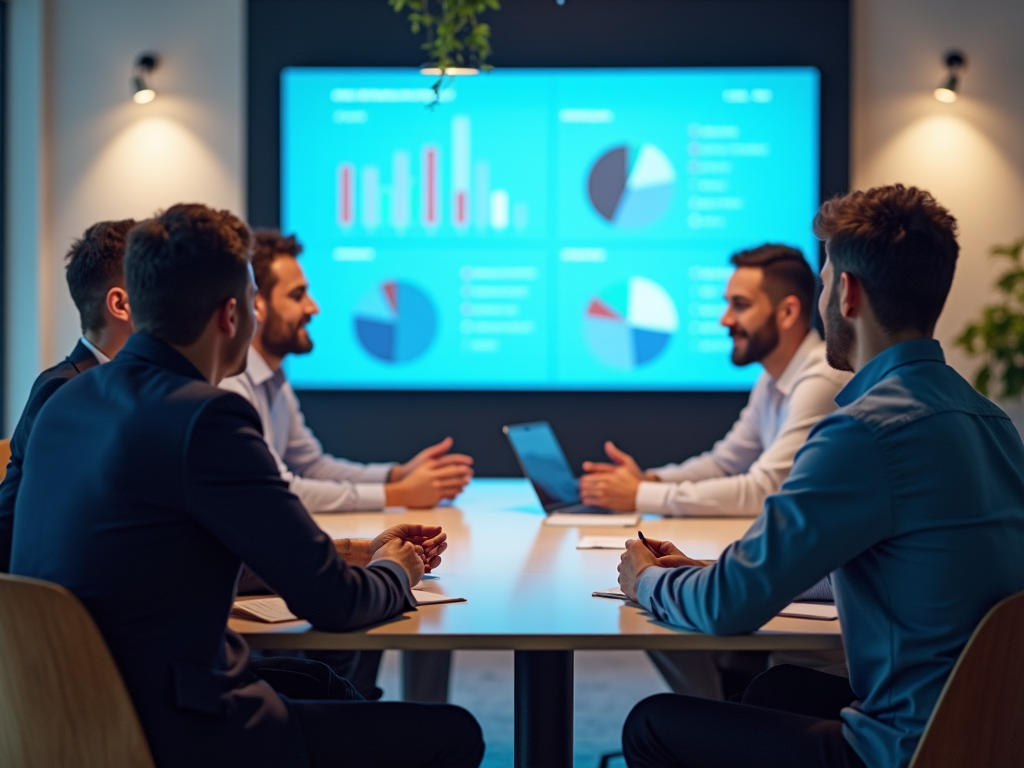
pixel 431 476
pixel 417 548
pixel 637 558
pixel 613 485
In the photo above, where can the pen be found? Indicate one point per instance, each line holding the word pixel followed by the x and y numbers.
pixel 641 535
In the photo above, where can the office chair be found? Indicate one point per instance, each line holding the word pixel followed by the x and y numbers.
pixel 977 719
pixel 62 699
pixel 5 456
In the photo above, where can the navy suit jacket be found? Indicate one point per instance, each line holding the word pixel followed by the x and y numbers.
pixel 49 381
pixel 144 489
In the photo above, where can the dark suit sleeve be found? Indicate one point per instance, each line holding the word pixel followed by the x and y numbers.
pixel 235 491
pixel 41 392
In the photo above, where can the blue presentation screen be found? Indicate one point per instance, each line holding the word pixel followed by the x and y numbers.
pixel 538 229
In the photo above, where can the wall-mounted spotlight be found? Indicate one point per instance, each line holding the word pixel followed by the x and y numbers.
pixel 955 63
pixel 142 91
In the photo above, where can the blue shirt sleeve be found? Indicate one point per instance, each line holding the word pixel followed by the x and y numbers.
pixel 834 506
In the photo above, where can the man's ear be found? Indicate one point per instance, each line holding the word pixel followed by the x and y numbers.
pixel 851 296
pixel 787 313
pixel 260 305
pixel 117 304
pixel 227 318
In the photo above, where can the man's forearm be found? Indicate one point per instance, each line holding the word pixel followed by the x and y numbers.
pixel 353 551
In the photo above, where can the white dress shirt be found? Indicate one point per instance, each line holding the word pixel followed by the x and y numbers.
pixel 322 482
pixel 753 460
pixel 97 353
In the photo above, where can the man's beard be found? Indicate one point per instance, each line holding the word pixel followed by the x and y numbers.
pixel 760 343
pixel 280 339
pixel 839 337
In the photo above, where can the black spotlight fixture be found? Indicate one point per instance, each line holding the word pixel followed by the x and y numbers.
pixel 142 91
pixel 955 63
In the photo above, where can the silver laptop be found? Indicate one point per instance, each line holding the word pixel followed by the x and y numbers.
pixel 543 461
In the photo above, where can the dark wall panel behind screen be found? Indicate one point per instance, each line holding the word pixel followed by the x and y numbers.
pixel 658 427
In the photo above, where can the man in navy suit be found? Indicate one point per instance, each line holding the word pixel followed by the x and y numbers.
pixel 144 489
pixel 95 275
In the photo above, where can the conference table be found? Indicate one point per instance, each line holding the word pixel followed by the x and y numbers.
pixel 528 589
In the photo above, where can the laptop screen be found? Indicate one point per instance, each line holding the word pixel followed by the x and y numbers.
pixel 544 462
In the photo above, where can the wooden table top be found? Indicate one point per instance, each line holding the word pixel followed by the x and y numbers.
pixel 528 588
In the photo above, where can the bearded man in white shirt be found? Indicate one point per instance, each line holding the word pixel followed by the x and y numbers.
pixel 769 301
pixel 322 482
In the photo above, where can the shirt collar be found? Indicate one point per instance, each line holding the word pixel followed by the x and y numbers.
pixel 259 373
pixel 145 347
pixel 97 353
pixel 787 380
pixel 257 369
pixel 884 363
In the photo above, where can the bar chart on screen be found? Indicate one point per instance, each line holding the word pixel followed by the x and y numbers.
pixel 419 191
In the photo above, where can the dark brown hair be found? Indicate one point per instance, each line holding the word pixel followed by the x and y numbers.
pixel 95 265
pixel 181 265
pixel 900 244
pixel 268 245
pixel 785 273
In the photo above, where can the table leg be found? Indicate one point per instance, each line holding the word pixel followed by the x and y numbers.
pixel 543 707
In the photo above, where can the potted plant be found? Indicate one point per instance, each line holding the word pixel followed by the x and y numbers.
pixel 456 40
pixel 998 335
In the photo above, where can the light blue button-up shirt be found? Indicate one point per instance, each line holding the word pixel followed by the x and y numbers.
pixel 912 493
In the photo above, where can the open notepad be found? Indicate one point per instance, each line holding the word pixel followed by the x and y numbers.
pixel 818 611
pixel 273 610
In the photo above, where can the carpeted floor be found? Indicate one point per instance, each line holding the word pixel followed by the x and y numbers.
pixel 608 684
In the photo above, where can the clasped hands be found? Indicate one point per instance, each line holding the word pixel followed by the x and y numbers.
pixel 638 558
pixel 612 485
pixel 417 548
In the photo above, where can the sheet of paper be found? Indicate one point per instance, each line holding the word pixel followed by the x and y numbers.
pixel 423 597
pixel 615 593
pixel 592 521
pixel 602 542
pixel 819 611
pixel 267 609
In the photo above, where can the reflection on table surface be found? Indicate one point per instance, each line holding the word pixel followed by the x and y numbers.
pixel 527 586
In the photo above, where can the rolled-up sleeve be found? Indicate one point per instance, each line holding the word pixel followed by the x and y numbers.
pixel 741 487
pixel 834 506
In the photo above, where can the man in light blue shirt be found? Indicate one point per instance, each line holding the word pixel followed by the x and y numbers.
pixel 914 477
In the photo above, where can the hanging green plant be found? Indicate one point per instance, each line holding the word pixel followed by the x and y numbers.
pixel 998 335
pixel 455 38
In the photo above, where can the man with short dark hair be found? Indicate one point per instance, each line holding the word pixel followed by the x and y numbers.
pixel 284 307
pixel 768 315
pixel 911 495
pixel 148 486
pixel 95 276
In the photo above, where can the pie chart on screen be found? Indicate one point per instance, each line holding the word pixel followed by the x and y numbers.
pixel 632 188
pixel 630 324
pixel 396 322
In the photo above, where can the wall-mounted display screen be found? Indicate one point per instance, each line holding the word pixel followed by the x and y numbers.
pixel 538 228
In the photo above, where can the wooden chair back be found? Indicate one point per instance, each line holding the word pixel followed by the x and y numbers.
pixel 977 720
pixel 5 456
pixel 62 699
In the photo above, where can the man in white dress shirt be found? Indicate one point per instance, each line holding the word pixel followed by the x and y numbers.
pixel 768 314
pixel 322 482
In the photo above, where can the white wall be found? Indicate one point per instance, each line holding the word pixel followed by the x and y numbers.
pixel 970 154
pixel 80 150
pixel 104 157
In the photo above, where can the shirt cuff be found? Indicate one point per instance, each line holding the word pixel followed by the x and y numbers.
pixel 653 497
pixel 403 580
pixel 370 496
pixel 648 583
pixel 376 473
